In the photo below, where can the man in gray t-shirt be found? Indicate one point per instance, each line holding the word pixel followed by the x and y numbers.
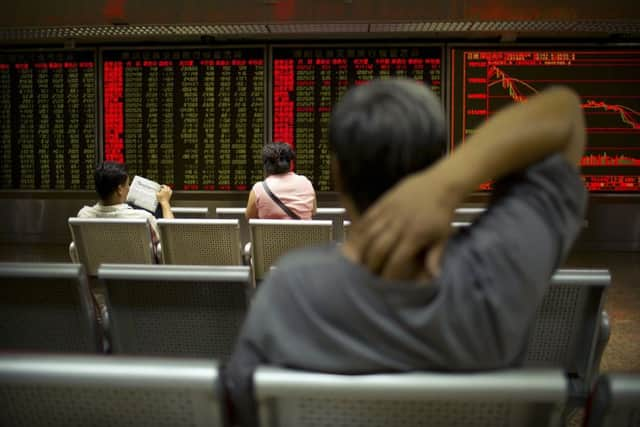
pixel 449 302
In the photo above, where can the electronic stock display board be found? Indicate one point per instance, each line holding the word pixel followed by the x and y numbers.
pixel 191 118
pixel 607 79
pixel 47 120
pixel 308 81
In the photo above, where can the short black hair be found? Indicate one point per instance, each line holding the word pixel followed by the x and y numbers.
pixel 382 131
pixel 108 176
pixel 277 157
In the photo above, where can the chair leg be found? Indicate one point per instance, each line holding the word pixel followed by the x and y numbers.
pixel 98 293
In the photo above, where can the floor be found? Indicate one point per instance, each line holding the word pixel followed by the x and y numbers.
pixel 622 353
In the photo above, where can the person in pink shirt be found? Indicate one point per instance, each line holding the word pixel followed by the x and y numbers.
pixel 283 194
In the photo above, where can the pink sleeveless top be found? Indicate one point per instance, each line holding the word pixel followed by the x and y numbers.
pixel 295 191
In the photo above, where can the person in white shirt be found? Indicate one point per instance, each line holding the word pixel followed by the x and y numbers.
pixel 112 185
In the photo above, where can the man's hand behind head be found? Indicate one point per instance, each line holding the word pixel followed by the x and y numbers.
pixel 403 233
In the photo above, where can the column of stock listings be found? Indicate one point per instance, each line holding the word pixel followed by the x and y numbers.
pixel 189 118
pixel 308 81
pixel 47 120
pixel 608 82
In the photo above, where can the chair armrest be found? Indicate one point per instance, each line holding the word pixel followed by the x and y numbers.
pixel 604 332
pixel 246 254
pixel 73 253
pixel 603 338
pixel 605 329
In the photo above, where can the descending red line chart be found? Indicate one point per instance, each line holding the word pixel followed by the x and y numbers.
pixel 484 81
pixel 513 87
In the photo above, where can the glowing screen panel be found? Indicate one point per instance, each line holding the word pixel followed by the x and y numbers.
pixel 190 118
pixel 47 120
pixel 308 81
pixel 607 80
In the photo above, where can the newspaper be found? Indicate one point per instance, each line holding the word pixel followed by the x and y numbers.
pixel 142 193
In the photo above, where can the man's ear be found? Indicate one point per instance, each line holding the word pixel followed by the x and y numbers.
pixel 120 189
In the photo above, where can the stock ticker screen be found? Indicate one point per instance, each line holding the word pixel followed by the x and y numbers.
pixel 308 81
pixel 607 80
pixel 189 118
pixel 47 120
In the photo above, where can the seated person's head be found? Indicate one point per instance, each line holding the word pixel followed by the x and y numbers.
pixel 381 132
pixel 112 182
pixel 277 157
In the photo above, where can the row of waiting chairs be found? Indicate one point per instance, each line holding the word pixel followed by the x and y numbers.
pixel 197 311
pixel 337 216
pixel 192 311
pixel 70 391
pixel 191 241
pixel 195 241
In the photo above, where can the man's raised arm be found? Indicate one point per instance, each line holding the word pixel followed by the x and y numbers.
pixel 412 221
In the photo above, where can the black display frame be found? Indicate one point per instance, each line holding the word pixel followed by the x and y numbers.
pixel 53 193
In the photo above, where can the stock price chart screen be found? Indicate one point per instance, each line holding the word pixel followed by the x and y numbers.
pixel 47 120
pixel 608 82
pixel 189 118
pixel 307 82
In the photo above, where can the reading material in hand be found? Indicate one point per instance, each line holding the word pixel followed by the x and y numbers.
pixel 142 193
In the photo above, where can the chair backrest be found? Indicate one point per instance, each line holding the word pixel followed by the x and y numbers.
pixel 271 238
pixel 289 398
pixel 200 241
pixel 111 240
pixel 615 401
pixel 337 216
pixel 236 213
pixel 78 391
pixel 347 227
pixel 467 214
pixel 194 311
pixel 567 326
pixel 47 307
pixel 180 212
pixel 460 224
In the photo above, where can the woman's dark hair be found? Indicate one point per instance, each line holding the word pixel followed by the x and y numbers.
pixel 108 176
pixel 381 132
pixel 277 157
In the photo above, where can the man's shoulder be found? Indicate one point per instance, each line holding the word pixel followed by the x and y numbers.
pixel 88 211
pixel 314 255
pixel 312 274
pixel 309 263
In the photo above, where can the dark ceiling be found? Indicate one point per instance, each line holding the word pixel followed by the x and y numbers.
pixel 25 20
